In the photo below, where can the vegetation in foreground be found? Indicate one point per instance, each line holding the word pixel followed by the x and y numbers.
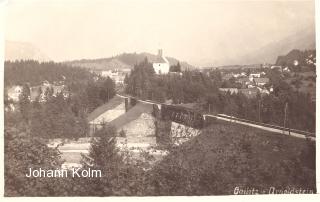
pixel 214 163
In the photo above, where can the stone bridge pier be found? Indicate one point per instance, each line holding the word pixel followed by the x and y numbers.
pixel 175 124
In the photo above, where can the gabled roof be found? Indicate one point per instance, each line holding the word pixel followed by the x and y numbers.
pixel 131 115
pixel 115 101
pixel 159 60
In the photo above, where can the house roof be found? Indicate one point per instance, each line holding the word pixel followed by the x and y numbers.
pixel 131 115
pixel 231 90
pixel 249 92
pixel 261 80
pixel 159 60
pixel 14 89
pixel 35 92
pixel 244 79
pixel 115 101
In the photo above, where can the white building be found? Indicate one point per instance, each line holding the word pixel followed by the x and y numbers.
pixel 255 75
pixel 117 75
pixel 161 65
pixel 14 93
pixel 279 68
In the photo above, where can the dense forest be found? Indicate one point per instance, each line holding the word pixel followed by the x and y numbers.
pixel 34 73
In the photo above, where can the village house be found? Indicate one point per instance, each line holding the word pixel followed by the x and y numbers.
pixel 106 113
pixel 14 93
pixel 279 68
pixel 254 75
pixel 249 92
pixel 117 75
pixel 244 81
pixel 263 91
pixel 261 81
pixel 161 65
pixel 236 75
pixel 39 92
pixel 226 77
pixel 243 74
pixel 251 85
pixel 231 90
pixel 286 69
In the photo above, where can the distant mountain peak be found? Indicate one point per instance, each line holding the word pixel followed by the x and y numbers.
pixel 303 39
pixel 23 51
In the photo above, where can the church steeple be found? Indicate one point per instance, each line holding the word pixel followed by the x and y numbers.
pixel 160 53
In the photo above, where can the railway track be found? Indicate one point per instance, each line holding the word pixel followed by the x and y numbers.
pixel 263 126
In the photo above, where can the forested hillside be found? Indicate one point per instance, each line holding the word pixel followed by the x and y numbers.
pixel 305 59
pixel 122 61
pixel 34 72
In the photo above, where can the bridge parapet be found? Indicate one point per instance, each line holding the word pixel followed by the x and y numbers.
pixel 182 115
pixel 129 103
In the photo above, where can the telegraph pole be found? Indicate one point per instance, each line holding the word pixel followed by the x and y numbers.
pixel 108 93
pixel 259 110
pixel 285 116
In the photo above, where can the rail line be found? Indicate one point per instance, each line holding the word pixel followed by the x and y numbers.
pixel 264 126
pixel 255 124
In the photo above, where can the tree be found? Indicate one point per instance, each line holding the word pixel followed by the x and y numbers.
pixel 24 102
pixel 175 68
pixel 23 152
pixel 121 176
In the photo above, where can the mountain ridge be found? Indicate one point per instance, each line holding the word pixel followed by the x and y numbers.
pixel 15 50
pixel 302 40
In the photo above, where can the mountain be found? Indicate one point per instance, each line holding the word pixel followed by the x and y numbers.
pixel 123 61
pixel 302 40
pixel 304 58
pixel 23 51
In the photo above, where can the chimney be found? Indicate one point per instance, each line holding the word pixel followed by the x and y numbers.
pixel 160 52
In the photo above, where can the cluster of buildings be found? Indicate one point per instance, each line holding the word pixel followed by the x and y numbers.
pixel 117 75
pixel 37 93
pixel 251 84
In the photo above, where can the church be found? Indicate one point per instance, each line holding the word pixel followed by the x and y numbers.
pixel 161 65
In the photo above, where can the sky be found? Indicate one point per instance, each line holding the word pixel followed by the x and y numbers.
pixel 200 32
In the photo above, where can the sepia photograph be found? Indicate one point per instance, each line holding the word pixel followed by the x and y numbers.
pixel 106 98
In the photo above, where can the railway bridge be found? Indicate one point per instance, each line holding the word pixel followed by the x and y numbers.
pixel 147 123
pixel 162 123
